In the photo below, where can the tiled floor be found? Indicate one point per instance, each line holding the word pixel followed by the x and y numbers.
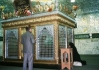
pixel 92 64
pixel 19 68
pixel 74 68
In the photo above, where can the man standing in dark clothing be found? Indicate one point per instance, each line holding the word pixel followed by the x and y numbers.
pixel 28 42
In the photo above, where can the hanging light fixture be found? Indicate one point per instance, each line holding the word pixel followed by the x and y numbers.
pixel 72 0
pixel 75 7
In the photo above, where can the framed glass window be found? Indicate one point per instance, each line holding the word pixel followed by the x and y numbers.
pixel 45 42
pixel 70 35
pixel 62 36
pixel 11 43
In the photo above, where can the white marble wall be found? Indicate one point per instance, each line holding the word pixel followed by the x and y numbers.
pixel 87 24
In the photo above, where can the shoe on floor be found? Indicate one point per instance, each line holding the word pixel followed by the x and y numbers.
pixel 77 64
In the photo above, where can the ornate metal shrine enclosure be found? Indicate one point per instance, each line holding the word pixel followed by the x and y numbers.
pixel 53 29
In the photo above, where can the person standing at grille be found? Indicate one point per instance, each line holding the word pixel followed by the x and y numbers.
pixel 28 44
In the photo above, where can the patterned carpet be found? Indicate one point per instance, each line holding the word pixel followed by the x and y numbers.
pixel 92 64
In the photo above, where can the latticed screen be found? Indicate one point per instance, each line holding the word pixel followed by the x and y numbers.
pixel 62 36
pixel 62 39
pixel 70 35
pixel 45 46
pixel 11 43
